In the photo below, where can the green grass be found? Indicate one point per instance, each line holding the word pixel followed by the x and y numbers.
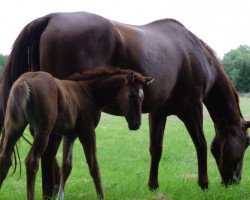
pixel 124 163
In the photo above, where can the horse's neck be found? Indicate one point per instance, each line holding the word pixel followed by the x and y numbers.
pixel 222 104
pixel 103 91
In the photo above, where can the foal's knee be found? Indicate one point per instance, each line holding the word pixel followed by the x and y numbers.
pixel 67 167
pixel 31 164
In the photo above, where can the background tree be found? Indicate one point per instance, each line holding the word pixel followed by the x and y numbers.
pixel 237 66
pixel 2 61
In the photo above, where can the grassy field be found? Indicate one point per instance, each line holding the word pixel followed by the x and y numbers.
pixel 124 162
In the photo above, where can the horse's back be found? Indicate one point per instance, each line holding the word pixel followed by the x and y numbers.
pixel 73 40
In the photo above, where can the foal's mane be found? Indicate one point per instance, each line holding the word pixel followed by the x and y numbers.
pixel 98 72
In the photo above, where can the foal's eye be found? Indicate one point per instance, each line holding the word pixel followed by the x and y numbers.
pixel 140 93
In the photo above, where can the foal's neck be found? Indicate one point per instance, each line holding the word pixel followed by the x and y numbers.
pixel 103 90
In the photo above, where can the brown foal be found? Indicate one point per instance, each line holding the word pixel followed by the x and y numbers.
pixel 72 108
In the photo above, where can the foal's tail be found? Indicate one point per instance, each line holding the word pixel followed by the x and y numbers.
pixel 16 105
pixel 15 115
pixel 25 52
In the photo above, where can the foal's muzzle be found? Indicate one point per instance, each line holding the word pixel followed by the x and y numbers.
pixel 133 124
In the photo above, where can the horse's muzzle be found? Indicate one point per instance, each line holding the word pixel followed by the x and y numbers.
pixel 233 180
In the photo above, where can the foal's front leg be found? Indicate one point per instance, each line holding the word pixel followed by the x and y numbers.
pixel 32 160
pixel 88 141
pixel 66 164
pixel 157 123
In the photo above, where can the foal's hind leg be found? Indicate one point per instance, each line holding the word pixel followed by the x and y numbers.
pixel 192 117
pixel 10 139
pixel 32 160
pixel 88 141
pixel 66 165
pixel 157 126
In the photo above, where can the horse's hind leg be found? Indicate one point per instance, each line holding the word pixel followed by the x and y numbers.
pixel 192 116
pixel 88 141
pixel 10 139
pixel 32 160
pixel 66 165
pixel 50 167
pixel 157 126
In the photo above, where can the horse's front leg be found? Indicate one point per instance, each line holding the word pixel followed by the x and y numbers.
pixel 32 160
pixel 192 116
pixel 157 126
pixel 66 168
pixel 88 141
pixel 50 167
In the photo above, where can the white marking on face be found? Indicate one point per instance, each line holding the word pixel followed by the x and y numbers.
pixel 141 93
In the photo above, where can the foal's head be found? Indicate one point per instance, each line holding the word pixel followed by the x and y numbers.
pixel 130 98
pixel 229 152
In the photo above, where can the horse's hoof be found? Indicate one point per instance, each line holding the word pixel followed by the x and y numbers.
pixel 153 187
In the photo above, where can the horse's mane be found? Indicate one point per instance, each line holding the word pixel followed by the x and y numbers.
pixel 210 53
pixel 167 20
pixel 97 72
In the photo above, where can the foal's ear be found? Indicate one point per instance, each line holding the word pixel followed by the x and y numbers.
pixel 149 80
pixel 130 77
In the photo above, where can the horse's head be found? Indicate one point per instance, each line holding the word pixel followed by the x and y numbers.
pixel 229 152
pixel 130 98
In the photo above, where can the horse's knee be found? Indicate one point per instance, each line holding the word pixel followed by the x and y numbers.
pixel 202 148
pixel 155 151
pixel 94 170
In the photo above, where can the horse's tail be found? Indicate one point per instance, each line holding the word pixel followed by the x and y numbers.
pixel 24 52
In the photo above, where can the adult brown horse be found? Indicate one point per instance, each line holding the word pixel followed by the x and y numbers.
pixel 72 108
pixel 186 71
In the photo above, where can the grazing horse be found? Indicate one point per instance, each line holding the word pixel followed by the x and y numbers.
pixel 186 70
pixel 71 107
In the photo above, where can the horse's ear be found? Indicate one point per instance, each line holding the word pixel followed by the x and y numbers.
pixel 149 80
pixel 130 77
pixel 247 124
